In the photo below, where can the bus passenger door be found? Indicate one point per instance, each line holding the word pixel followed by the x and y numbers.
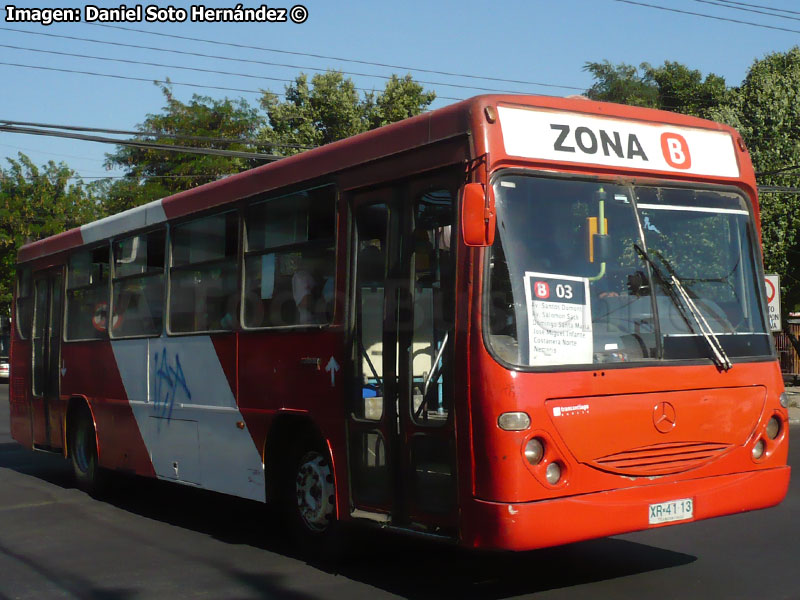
pixel 426 315
pixel 46 338
pixel 400 426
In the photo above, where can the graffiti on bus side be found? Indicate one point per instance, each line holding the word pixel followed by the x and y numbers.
pixel 169 382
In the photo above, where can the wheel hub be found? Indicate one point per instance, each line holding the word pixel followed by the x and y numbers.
pixel 315 491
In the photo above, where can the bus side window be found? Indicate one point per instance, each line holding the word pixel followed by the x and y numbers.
pixel 204 278
pixel 290 259
pixel 87 294
pixel 138 285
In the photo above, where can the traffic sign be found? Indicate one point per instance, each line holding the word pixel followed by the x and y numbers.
pixel 773 287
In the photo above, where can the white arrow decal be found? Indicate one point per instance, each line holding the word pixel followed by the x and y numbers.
pixel 63 368
pixel 332 367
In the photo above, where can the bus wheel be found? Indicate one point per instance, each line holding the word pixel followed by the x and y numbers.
pixel 83 452
pixel 311 501
pixel 315 492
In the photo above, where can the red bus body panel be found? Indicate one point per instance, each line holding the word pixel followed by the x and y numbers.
pixel 531 525
pixel 615 461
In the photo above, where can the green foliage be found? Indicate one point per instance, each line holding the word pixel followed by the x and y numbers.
pixel 766 110
pixel 326 110
pixel 672 86
pixel 400 99
pixel 152 174
pixel 622 83
pixel 329 109
pixel 36 203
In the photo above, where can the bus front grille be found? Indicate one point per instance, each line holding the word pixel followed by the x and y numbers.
pixel 661 459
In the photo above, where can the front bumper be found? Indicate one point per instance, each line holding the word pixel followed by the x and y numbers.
pixel 530 525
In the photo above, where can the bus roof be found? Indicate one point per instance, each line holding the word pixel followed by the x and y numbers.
pixel 424 129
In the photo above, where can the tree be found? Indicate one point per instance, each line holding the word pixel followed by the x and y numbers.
pixel 36 203
pixel 622 83
pixel 329 109
pixel 766 111
pixel 326 109
pixel 400 99
pixel 672 87
pixel 152 174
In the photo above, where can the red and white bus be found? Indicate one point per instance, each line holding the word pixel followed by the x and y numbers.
pixel 513 322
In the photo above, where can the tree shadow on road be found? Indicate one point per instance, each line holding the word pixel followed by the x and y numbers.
pixel 406 566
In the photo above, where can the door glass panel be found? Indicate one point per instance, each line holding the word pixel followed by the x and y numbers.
pixel 39 334
pixel 432 278
pixel 370 472
pixel 54 335
pixel 433 482
pixel 372 224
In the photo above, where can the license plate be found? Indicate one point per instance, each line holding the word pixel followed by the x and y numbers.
pixel 674 510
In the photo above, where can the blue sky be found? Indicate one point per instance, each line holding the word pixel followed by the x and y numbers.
pixel 532 41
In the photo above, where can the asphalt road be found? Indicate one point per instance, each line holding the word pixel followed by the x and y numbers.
pixel 147 539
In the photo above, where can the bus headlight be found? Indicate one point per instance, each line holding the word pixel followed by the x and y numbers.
pixel 773 428
pixel 534 451
pixel 784 400
pixel 758 449
pixel 553 473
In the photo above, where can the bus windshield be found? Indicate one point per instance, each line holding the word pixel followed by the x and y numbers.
pixel 588 272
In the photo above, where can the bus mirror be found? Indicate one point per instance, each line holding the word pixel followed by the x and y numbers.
pixel 477 215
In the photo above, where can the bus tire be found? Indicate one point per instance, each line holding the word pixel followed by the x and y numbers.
pixel 310 500
pixel 83 452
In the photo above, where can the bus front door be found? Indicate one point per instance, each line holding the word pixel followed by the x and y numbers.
pixel 400 424
pixel 46 338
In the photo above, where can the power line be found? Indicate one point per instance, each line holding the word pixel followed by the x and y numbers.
pixel 129 78
pixel 138 62
pixel 150 145
pixel 775 172
pixel 750 10
pixel 245 60
pixel 136 177
pixel 197 85
pixel 778 189
pixel 175 136
pixel 22 148
pixel 216 72
pixel 164 81
pixel 350 60
pixel 716 18
pixel 793 12
pixel 262 62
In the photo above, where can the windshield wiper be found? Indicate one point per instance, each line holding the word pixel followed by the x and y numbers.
pixel 684 303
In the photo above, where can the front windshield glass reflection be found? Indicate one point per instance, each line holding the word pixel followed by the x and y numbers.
pixel 567 285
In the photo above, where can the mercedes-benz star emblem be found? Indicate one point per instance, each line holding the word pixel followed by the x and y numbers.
pixel 664 417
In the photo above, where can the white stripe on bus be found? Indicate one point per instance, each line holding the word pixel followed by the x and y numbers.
pixel 187 414
pixel 124 222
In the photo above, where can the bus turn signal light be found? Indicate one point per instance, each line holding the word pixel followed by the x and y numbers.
pixel 514 421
